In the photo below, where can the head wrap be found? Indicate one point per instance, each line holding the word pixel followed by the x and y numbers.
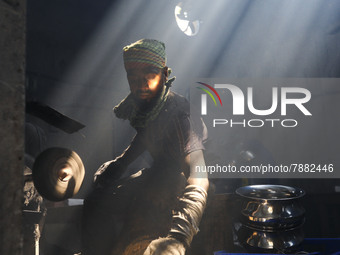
pixel 146 52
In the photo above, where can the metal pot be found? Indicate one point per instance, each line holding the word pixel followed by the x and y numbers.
pixel 258 241
pixel 271 207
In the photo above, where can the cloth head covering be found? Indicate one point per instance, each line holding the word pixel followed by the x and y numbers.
pixel 148 52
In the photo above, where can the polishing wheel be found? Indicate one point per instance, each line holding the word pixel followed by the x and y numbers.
pixel 58 173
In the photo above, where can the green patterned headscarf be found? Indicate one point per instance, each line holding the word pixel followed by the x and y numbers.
pixel 146 52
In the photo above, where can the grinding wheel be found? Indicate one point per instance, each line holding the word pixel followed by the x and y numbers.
pixel 58 173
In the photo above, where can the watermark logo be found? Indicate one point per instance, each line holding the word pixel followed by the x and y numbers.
pixel 204 97
pixel 281 97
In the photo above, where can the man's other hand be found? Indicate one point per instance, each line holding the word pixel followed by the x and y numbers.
pixel 165 246
pixel 108 173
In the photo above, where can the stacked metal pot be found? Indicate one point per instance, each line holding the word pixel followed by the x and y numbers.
pixel 270 217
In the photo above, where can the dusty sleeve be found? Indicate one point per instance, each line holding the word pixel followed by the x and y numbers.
pixel 191 133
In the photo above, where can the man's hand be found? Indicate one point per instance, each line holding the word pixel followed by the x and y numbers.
pixel 108 173
pixel 165 246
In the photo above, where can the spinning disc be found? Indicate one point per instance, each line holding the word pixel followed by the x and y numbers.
pixel 58 173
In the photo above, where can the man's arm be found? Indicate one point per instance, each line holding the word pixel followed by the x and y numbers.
pixel 133 151
pixel 187 216
pixel 194 161
pixel 112 170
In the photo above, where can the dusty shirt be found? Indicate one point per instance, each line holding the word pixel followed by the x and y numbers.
pixel 174 133
pixel 169 138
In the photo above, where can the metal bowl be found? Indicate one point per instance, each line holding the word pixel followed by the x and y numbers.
pixel 271 207
pixel 282 241
pixel 270 192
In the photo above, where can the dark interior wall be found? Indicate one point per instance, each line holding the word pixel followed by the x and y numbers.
pixel 57 33
pixel 12 96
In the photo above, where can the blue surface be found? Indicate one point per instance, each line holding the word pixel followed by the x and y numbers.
pixel 326 246
pixel 225 253
pixel 316 246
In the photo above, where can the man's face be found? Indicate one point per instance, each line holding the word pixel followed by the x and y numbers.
pixel 145 82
